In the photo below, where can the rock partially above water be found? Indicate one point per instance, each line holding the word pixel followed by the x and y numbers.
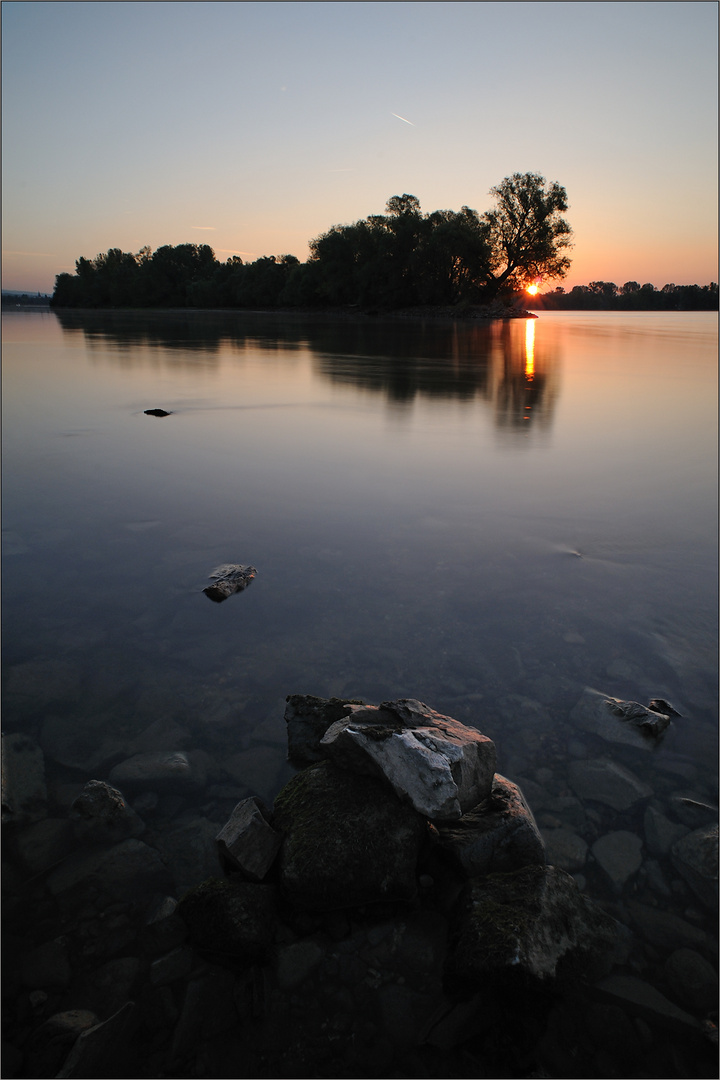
pixel 532 922
pixel 440 766
pixel 308 718
pixel 247 842
pixel 228 579
pixel 498 835
pixel 348 841
pixel 620 721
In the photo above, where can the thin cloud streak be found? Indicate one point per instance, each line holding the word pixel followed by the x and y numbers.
pixel 403 119
pixel 205 228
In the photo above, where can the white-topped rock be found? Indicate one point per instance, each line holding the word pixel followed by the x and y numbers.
pixel 438 765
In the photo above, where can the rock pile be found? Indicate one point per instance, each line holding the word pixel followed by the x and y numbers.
pixel 388 912
pixel 395 803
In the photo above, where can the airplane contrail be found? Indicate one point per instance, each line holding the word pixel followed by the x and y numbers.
pixel 403 119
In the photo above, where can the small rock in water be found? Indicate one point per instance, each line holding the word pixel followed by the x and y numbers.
pixel 599 714
pixel 649 720
pixel 228 579
pixel 157 412
pixel 101 813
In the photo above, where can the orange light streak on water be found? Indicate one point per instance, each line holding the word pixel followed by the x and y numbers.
pixel 530 349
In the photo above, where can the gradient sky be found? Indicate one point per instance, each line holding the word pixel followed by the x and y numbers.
pixel 254 127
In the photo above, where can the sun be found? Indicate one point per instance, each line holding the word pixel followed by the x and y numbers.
pixel 532 289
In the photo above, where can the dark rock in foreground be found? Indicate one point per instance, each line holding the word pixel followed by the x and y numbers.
pixel 498 835
pixel 348 841
pixel 230 920
pixel 530 923
pixel 247 842
pixel 440 766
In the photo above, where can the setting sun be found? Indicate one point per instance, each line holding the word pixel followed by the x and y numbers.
pixel 532 289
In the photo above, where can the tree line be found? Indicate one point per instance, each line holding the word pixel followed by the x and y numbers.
pixel 403 258
pixel 607 296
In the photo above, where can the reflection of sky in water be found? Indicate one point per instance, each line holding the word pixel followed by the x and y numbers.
pixel 415 498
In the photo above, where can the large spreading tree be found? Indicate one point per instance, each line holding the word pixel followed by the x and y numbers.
pixel 527 236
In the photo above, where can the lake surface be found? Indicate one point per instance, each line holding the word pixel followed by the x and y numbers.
pixel 488 518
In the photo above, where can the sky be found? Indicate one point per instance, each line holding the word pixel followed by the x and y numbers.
pixel 254 127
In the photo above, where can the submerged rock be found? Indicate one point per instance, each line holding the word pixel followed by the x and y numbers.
pixel 129 871
pixel 162 770
pixel 640 997
pixel 101 814
pixel 531 923
pixel 44 843
pixel 565 849
pixel 98 1048
pixel 228 579
pixel 619 855
pixel 24 792
pixel 440 766
pixel 348 840
pixel 52 1041
pixel 606 782
pixel 692 980
pixel 695 856
pixel 660 832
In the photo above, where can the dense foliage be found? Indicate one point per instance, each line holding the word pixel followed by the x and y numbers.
pixel 401 259
pixel 398 259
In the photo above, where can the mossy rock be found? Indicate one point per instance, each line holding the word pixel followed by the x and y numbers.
pixel 348 840
pixel 529 925
pixel 230 919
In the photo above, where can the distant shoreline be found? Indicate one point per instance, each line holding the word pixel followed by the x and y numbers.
pixel 477 313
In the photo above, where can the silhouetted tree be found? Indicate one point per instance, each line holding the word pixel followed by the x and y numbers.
pixel 527 235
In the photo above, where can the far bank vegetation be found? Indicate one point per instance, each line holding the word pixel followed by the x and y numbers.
pixel 459 260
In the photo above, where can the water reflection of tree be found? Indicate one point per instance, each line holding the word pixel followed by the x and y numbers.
pixel 410 360
pixel 527 389
pixel 498 363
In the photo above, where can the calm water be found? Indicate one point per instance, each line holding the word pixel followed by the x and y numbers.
pixel 488 519
pixel 414 498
